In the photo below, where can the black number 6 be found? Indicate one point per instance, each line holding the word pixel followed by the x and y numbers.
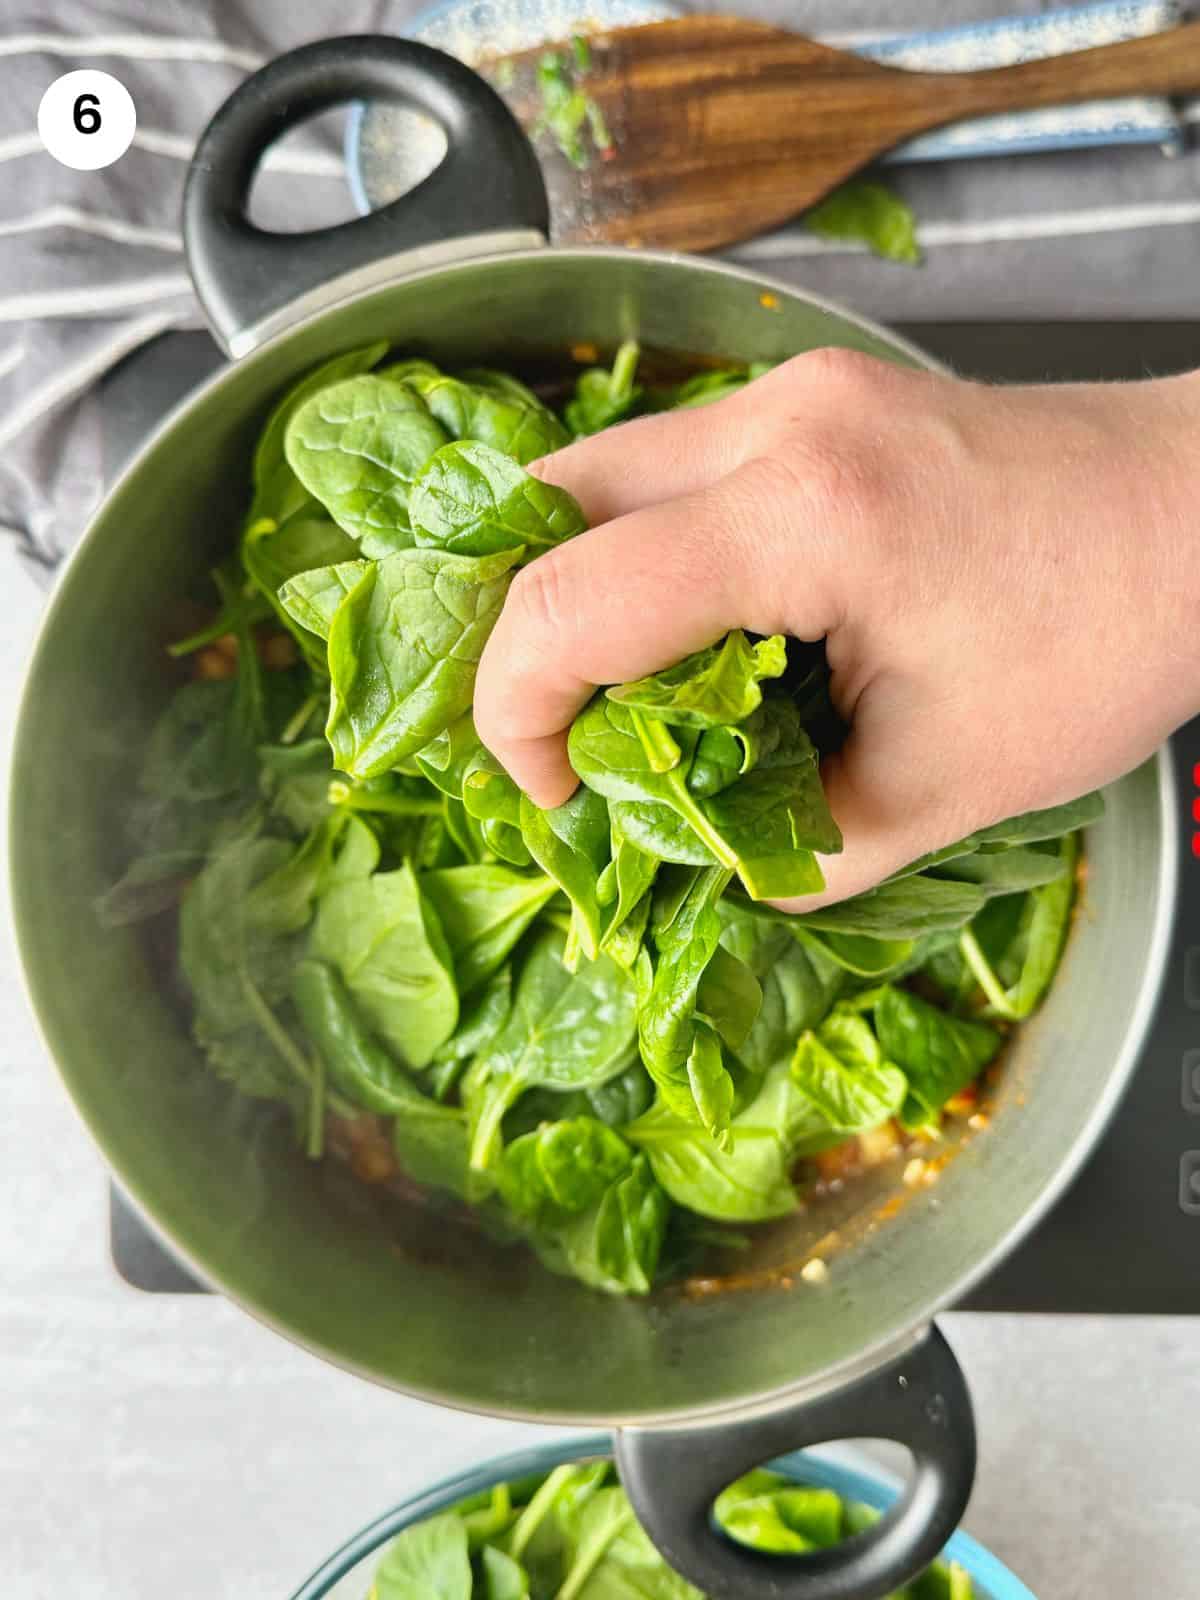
pixel 87 113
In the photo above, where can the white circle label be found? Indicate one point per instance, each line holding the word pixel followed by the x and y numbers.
pixel 87 119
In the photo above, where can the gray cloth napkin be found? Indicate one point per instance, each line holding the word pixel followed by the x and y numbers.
pixel 91 265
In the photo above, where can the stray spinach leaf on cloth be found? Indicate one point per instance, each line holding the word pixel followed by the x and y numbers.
pixel 869 212
pixel 572 1535
pixel 587 1021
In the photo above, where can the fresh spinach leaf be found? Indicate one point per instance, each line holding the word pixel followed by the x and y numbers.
pixel 861 955
pixel 493 799
pixel 621 1099
pixel 749 1180
pixel 799 983
pixel 603 396
pixel 765 826
pixel 724 754
pixel 623 885
pixel 428 1561
pixel 1027 953
pixel 404 646
pixel 660 833
pixel 729 996
pixel 220 944
pixel 702 388
pixel 904 908
pixel 845 1078
pixel 614 1244
pixel 560 1169
pixel 357 446
pixel 383 936
pixel 293 780
pixel 770 1512
pixel 713 688
pixel 275 488
pixel 1031 827
pixel 474 501
pixel 501 383
pixel 776 816
pixel 571 843
pixel 867 212
pixel 503 1578
pixel 481 1017
pixel 567 111
pixel 275 553
pixel 517 425
pixel 938 1054
pixel 483 911
pixel 311 599
pixel 354 1060
pixel 1053 823
pixel 680 1050
pixel 602 1519
pixel 565 1031
pixel 1007 871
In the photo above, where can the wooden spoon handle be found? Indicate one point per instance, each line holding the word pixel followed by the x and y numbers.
pixel 1162 63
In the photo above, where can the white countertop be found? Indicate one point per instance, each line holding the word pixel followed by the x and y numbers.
pixel 155 1446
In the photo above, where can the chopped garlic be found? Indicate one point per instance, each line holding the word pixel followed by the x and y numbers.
pixel 914 1172
pixel 814 1271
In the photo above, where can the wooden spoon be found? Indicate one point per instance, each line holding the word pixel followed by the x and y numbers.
pixel 720 128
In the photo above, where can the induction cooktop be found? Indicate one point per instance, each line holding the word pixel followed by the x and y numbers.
pixel 1126 1236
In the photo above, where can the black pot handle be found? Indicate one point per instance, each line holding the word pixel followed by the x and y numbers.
pixel 488 183
pixel 919 1398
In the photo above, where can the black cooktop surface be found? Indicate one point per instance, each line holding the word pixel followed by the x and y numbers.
pixel 1126 1236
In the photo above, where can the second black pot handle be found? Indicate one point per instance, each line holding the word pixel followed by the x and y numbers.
pixel 488 183
pixel 919 1398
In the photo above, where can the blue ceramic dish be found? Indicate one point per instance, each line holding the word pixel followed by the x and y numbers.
pixel 388 149
pixel 347 1573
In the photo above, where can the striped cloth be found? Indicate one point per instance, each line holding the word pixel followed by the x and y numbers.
pixel 91 266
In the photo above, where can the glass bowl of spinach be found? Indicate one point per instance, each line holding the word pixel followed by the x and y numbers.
pixel 552 1522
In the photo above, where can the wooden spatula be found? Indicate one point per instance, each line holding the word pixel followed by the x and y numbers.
pixel 712 128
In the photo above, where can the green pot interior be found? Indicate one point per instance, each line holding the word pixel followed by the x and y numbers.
pixel 402 1298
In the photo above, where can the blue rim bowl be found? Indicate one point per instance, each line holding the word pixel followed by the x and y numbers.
pixel 992 1578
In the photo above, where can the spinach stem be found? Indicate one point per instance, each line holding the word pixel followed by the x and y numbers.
pixel 624 368
pixel 299 721
pixel 660 749
pixel 392 805
pixel 534 1513
pixel 986 978
pixel 590 1556
pixel 694 816
pixel 276 1032
pixel 487 1129
pixel 316 1110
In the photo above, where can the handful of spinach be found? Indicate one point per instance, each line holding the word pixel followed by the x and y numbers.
pixel 572 1535
pixel 586 1023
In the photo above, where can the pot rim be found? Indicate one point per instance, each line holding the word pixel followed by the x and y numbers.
pixel 877 1489
pixel 857 1362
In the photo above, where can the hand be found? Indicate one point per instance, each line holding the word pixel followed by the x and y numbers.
pixel 1002 578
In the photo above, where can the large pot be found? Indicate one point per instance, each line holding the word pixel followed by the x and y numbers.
pixel 700 1390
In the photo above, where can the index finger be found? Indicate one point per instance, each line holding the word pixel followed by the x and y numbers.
pixel 627 599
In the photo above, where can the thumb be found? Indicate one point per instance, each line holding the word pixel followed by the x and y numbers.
pixel 630 598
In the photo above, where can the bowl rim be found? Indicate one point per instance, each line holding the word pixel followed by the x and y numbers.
pixel 875 1489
